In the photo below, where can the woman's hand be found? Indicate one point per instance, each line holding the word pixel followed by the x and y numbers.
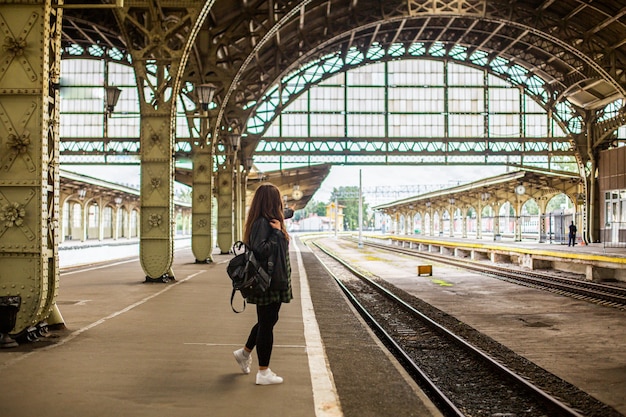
pixel 275 223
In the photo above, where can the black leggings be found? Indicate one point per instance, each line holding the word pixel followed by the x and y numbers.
pixel 262 333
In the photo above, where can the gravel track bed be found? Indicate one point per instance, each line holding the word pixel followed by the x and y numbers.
pixel 567 393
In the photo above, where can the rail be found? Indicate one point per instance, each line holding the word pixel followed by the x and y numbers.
pixel 415 337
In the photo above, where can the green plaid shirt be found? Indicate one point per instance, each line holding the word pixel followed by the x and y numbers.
pixel 274 296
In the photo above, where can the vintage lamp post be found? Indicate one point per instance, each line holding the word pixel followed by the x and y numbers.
pixel 112 96
pixel 205 95
pixel 110 101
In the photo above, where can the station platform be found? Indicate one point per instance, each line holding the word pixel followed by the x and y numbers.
pixel 528 244
pixel 594 262
pixel 132 348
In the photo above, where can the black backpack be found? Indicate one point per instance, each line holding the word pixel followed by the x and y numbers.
pixel 246 273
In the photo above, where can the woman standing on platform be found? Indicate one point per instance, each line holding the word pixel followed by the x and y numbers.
pixel 265 233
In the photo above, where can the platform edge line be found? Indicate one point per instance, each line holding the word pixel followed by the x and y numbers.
pixel 325 396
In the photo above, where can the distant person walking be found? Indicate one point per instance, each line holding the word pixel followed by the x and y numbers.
pixel 265 233
pixel 572 234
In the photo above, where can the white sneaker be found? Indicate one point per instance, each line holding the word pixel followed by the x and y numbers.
pixel 267 377
pixel 243 361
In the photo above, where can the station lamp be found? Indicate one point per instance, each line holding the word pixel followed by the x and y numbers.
pixel 205 94
pixel 249 161
pixel 112 96
pixel 234 139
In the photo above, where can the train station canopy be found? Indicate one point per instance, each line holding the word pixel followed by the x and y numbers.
pixel 570 55
pixel 521 185
pixel 297 184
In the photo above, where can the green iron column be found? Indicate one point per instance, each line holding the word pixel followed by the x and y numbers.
pixel 240 201
pixel 156 248
pixel 30 35
pixel 202 229
pixel 203 163
pixel 225 218
pixel 159 49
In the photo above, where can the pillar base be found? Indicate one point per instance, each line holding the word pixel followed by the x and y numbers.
pixel 206 261
pixel 164 279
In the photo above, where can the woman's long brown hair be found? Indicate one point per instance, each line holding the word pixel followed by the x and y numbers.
pixel 267 203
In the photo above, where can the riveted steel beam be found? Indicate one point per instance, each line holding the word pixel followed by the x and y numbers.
pixel 225 206
pixel 160 35
pixel 30 33
pixel 202 226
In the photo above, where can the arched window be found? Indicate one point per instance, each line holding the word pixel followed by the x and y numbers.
pixel 92 216
pixel 77 215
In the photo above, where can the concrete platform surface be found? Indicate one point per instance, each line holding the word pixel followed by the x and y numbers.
pixel 149 349
pixel 136 349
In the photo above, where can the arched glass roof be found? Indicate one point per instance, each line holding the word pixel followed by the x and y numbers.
pixel 294 83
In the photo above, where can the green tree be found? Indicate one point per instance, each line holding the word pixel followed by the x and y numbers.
pixel 313 207
pixel 530 207
pixel 349 198
pixel 558 203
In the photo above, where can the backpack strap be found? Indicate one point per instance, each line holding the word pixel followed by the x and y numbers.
pixel 232 297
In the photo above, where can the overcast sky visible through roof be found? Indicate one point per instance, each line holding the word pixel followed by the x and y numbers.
pixel 340 176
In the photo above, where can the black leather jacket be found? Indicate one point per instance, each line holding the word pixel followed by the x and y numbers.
pixel 270 248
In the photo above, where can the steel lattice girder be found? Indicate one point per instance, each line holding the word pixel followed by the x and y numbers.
pixel 577 48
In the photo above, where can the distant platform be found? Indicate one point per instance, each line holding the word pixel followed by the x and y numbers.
pixel 594 261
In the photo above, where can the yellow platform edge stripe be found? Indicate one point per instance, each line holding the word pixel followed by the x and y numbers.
pixel 556 254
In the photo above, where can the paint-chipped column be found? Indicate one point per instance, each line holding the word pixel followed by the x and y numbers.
pixel 30 41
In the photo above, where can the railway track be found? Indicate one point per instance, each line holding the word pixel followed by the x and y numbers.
pixel 603 294
pixel 461 378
